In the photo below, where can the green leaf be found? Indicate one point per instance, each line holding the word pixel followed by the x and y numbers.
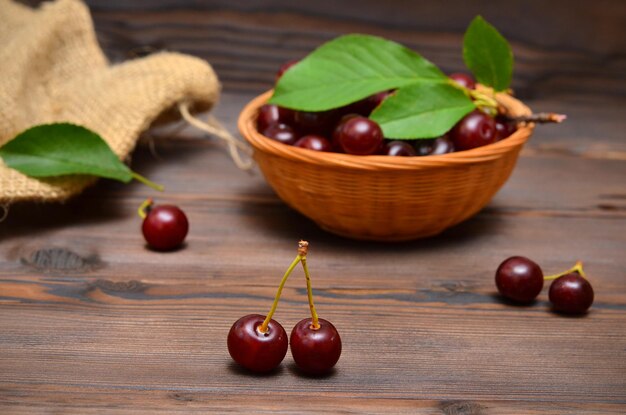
pixel 59 149
pixel 488 54
pixel 350 68
pixel 422 111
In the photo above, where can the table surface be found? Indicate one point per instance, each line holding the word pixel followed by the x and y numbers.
pixel 93 321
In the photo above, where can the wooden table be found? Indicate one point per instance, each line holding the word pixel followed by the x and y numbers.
pixel 91 321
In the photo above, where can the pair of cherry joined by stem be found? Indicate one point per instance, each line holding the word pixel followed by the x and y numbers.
pixel 521 280
pixel 164 227
pixel 259 343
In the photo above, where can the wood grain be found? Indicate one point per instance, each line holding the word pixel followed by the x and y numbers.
pixel 93 322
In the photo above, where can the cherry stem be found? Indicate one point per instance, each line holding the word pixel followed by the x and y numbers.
pixel 540 118
pixel 145 207
pixel 263 328
pixel 489 103
pixel 578 268
pixel 147 182
pixel 315 324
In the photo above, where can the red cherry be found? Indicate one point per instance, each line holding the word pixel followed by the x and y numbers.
pixel 361 136
pixel 314 142
pixel 165 227
pixel 463 79
pixel 256 351
pixel 270 114
pixel 315 351
pixel 504 128
pixel 281 133
pixel 571 294
pixel 318 123
pixel 519 279
pixel 398 148
pixel 476 129
pixel 284 67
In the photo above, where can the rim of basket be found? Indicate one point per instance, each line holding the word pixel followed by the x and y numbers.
pixel 247 127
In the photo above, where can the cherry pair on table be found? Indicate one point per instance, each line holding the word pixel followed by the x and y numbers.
pixel 259 343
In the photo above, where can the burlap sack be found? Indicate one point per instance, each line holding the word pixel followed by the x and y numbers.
pixel 52 69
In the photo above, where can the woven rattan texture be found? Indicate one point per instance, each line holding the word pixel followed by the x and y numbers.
pixel 385 198
pixel 53 70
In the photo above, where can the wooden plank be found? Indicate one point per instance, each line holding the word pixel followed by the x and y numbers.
pixel 246 43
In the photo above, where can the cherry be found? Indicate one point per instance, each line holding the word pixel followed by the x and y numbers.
pixel 164 227
pixel 282 133
pixel 424 147
pixel 369 104
pixel 442 145
pixel 571 293
pixel 253 349
pixel 337 130
pixel 399 148
pixel 360 136
pixel 257 342
pixel 464 80
pixel 504 128
pixel 314 142
pixel 270 114
pixel 315 350
pixel 284 67
pixel 519 279
pixel 319 123
pixel 476 129
pixel 315 342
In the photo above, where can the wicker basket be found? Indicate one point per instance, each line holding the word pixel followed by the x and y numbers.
pixel 380 197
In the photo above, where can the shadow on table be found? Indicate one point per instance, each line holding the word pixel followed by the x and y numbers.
pixel 285 223
pixel 235 369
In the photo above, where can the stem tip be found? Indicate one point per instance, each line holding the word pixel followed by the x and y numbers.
pixel 303 248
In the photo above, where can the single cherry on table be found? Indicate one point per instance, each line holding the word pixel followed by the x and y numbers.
pixel 164 227
pixel 315 342
pixel 571 292
pixel 519 279
pixel 315 350
pixel 257 350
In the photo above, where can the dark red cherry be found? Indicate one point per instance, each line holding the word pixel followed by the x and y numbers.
pixel 338 127
pixel 165 227
pixel 504 128
pixel 284 67
pixel 424 147
pixel 519 279
pixel 442 145
pixel 370 103
pixel 361 136
pixel 256 351
pixel 315 351
pixel 398 148
pixel 314 142
pixel 476 129
pixel 282 133
pixel 270 114
pixel 463 79
pixel 319 123
pixel 571 294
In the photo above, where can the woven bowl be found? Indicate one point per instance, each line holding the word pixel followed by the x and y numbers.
pixel 385 198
